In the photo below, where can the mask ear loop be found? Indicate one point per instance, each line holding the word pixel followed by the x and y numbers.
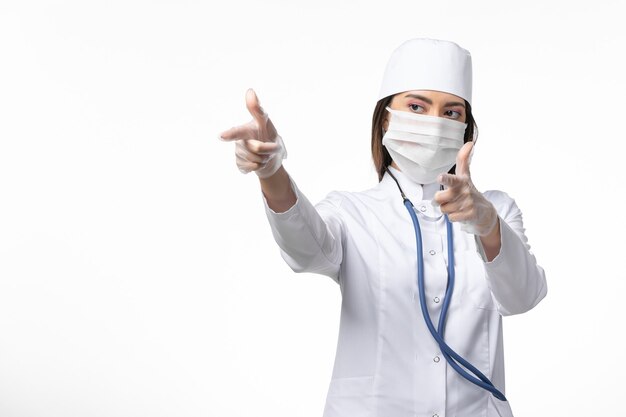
pixel 382 128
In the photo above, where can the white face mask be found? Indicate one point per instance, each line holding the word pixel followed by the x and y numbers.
pixel 423 146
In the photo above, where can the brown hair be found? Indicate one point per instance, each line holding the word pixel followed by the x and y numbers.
pixel 381 157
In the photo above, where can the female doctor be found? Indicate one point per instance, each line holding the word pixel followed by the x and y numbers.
pixel 427 265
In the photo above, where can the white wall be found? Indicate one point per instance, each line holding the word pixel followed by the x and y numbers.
pixel 138 275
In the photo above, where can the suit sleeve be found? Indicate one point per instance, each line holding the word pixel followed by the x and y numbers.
pixel 310 237
pixel 516 281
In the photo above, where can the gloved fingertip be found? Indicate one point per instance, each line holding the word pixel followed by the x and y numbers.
pixel 226 135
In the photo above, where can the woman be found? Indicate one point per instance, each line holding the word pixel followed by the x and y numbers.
pixel 400 249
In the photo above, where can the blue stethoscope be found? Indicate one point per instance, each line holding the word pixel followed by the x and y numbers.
pixel 451 356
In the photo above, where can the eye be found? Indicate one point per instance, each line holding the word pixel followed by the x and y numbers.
pixel 416 108
pixel 452 114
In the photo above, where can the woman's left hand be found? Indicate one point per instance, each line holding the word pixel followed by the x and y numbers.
pixel 462 202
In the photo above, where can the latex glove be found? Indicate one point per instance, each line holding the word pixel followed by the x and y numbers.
pixel 258 147
pixel 462 202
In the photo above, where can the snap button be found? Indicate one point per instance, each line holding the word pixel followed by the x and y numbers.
pixel 436 359
pixel 422 208
pixel 436 299
pixel 432 252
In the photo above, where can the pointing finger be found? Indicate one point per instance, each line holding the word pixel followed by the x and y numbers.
pixel 463 159
pixel 254 107
pixel 450 180
pixel 446 196
pixel 247 131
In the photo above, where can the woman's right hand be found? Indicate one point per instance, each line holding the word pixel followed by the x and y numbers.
pixel 258 147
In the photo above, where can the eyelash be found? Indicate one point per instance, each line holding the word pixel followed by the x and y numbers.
pixel 455 114
pixel 453 111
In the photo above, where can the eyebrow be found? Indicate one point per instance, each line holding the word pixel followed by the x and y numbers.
pixel 429 101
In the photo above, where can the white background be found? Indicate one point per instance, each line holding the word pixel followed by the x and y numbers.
pixel 138 275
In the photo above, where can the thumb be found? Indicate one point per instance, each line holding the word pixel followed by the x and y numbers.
pixel 254 107
pixel 463 159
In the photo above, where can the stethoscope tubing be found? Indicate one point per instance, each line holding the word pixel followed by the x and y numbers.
pixel 453 358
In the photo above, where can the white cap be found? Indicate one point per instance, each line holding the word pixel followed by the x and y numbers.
pixel 429 64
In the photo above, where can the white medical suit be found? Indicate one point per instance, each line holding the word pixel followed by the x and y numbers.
pixel 387 363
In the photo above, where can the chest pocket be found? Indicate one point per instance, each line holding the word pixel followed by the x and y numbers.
pixel 473 281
